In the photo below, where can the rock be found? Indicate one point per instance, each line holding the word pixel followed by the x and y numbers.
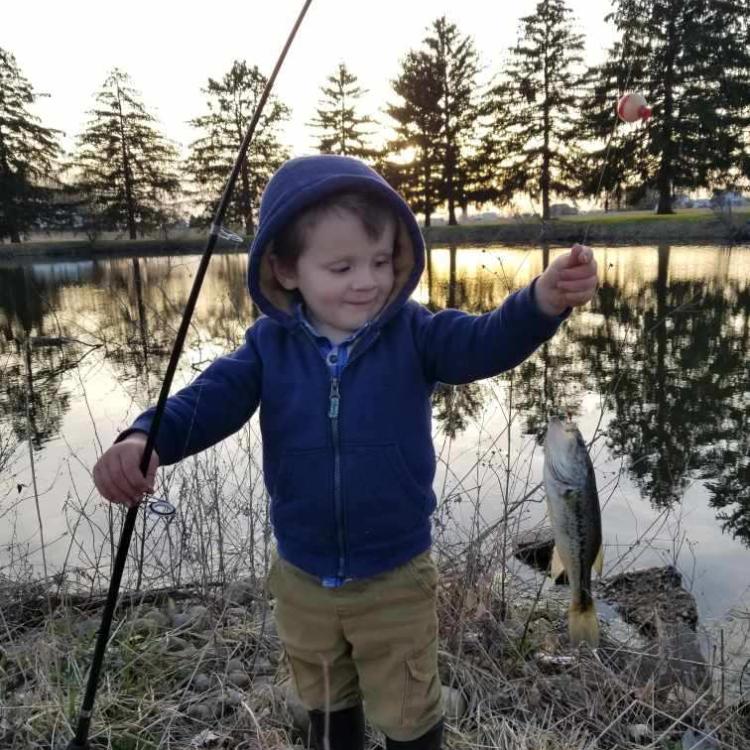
pixel 264 667
pixel 175 645
pixel 157 617
pixel 232 697
pixel 639 733
pixel 200 617
pixel 195 618
pixel 240 679
pixel 641 595
pixel 454 703
pixel 240 592
pixel 143 626
pixel 208 738
pixel 237 613
pixel 200 712
pixel 201 682
pixel 534 547
pixel 180 619
pixel 86 627
pixel 694 739
pixel 665 615
pixel 235 665
pixel 297 711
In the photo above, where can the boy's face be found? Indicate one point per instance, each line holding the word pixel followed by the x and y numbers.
pixel 344 276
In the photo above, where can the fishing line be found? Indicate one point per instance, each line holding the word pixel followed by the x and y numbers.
pixel 80 740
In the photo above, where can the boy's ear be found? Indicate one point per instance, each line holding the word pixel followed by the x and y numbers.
pixel 285 275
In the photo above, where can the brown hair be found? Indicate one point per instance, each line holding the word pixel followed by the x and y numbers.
pixel 373 211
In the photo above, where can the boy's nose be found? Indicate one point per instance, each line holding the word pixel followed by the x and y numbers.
pixel 364 279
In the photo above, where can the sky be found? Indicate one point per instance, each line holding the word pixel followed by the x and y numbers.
pixel 170 49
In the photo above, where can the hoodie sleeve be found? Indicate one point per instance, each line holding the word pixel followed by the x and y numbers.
pixel 456 347
pixel 215 405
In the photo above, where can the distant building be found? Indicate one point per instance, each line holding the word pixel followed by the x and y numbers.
pixel 562 209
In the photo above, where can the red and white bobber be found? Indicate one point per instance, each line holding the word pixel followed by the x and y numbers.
pixel 632 107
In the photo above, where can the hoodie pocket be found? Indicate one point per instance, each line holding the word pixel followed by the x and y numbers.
pixel 302 500
pixel 383 500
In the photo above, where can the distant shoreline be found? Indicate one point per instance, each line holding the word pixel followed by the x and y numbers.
pixel 616 228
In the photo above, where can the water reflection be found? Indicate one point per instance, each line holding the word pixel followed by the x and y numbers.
pixel 664 346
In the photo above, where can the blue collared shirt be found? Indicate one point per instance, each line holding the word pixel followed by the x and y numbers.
pixel 335 355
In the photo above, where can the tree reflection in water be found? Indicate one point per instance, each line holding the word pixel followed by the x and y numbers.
pixel 665 350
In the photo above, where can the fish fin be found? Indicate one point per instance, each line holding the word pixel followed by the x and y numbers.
pixel 599 561
pixel 557 566
pixel 583 625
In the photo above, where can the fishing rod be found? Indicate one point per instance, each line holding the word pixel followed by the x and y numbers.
pixel 80 740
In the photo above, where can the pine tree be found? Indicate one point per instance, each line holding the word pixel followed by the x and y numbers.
pixel 231 103
pixel 438 117
pixel 533 109
pixel 341 129
pixel 691 61
pixel 124 168
pixel 28 152
pixel 457 64
pixel 412 161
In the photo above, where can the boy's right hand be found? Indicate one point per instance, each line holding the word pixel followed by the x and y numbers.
pixel 117 474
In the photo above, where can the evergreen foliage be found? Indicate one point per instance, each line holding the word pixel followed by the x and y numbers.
pixel 412 163
pixel 124 168
pixel 437 120
pixel 532 139
pixel 231 103
pixel 341 129
pixel 28 155
pixel 691 60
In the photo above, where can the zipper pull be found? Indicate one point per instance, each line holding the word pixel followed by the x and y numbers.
pixel 333 409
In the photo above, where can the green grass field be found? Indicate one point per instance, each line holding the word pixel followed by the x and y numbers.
pixel 681 215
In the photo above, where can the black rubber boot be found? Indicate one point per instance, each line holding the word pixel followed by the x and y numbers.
pixel 346 729
pixel 432 740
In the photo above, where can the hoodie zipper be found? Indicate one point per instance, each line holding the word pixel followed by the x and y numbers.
pixel 334 402
pixel 334 398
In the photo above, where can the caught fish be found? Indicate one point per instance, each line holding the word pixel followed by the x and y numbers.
pixel 573 504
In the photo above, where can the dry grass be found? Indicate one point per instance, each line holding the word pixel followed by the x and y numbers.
pixel 188 670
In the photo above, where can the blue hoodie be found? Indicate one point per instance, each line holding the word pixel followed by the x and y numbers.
pixel 348 462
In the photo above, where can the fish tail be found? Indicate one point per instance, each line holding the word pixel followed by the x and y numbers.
pixel 583 625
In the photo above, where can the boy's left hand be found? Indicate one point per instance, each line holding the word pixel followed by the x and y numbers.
pixel 569 281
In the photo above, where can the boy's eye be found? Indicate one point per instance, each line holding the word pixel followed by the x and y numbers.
pixel 383 262
pixel 339 269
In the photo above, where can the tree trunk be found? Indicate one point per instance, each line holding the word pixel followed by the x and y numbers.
pixel 12 230
pixel 665 174
pixel 452 278
pixel 127 176
pixel 427 193
pixel 545 178
pixel 247 211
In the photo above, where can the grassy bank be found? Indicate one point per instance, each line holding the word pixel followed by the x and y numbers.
pixel 631 227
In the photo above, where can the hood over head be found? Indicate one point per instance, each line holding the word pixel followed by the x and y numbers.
pixel 300 184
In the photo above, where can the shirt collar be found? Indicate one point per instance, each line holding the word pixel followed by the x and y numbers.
pixel 301 316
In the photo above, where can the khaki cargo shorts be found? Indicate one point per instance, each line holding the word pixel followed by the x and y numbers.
pixel 372 640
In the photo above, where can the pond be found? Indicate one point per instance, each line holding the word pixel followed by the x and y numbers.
pixel 655 371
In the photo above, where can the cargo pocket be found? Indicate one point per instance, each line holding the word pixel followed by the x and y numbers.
pixel 422 693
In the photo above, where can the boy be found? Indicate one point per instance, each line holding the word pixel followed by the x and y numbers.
pixel 343 365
